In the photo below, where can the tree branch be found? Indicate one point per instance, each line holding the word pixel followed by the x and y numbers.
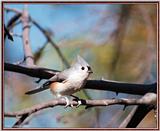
pixel 25 35
pixel 128 118
pixel 61 102
pixel 20 121
pixel 32 71
pixel 49 39
pixel 138 113
pixel 148 99
pixel 142 110
pixel 13 10
pixel 121 87
pixel 13 20
pixel 44 73
pixel 118 87
pixel 11 23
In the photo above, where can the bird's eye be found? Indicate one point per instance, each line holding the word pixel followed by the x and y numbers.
pixel 82 68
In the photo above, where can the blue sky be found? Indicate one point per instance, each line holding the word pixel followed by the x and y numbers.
pixel 66 21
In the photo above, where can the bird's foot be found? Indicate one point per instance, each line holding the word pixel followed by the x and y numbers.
pixel 67 101
pixel 78 100
pixel 70 104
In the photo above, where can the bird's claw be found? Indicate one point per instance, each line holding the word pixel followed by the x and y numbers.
pixel 79 103
pixel 77 100
pixel 67 101
pixel 70 104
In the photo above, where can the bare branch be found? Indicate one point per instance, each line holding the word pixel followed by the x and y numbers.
pixel 61 102
pixel 44 73
pixel 7 33
pixel 24 114
pixel 142 110
pixel 121 87
pixel 11 24
pixel 128 118
pixel 12 21
pixel 115 86
pixel 49 39
pixel 20 121
pixel 13 10
pixel 32 71
pixel 25 35
pixel 38 54
pixel 138 113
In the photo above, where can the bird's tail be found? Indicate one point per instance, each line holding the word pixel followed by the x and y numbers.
pixel 42 88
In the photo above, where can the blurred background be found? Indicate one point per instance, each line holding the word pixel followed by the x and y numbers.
pixel 119 41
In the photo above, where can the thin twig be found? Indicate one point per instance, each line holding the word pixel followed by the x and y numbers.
pixel 128 118
pixel 13 10
pixel 45 34
pixel 13 20
pixel 49 39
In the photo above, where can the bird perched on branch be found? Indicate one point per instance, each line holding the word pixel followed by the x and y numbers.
pixel 67 82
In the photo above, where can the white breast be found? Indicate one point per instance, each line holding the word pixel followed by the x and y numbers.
pixel 70 86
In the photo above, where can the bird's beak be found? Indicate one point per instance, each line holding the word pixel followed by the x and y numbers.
pixel 90 71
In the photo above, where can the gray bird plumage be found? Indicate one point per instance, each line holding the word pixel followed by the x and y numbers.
pixel 77 74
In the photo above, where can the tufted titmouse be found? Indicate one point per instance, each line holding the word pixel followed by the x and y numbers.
pixel 68 81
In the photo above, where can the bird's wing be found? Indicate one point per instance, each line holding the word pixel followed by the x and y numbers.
pixel 57 78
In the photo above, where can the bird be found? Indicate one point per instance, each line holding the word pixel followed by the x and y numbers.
pixel 67 82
